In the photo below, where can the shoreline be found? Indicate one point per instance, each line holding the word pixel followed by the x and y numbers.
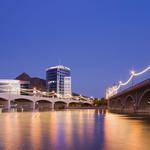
pixel 44 110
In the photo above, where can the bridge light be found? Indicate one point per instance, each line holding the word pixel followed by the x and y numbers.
pixel 112 91
pixel 148 102
pixel 34 90
pixel 92 97
pixel 133 72
pixel 120 82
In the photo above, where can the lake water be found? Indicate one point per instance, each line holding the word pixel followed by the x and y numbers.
pixel 73 130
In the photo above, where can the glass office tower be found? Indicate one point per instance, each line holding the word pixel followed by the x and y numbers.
pixel 58 79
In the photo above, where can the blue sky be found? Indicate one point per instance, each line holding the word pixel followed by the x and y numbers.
pixel 101 41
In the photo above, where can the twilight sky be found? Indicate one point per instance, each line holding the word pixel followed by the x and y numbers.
pixel 100 40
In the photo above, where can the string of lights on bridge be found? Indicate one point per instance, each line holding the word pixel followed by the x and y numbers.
pixel 35 92
pixel 114 89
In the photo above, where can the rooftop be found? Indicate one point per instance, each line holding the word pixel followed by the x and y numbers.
pixel 58 67
pixel 9 81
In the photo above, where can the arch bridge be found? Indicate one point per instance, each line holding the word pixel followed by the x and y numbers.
pixel 135 99
pixel 26 102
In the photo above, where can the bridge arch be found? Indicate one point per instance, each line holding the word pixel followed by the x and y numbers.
pixel 3 103
pixel 118 104
pixel 144 101
pixel 74 104
pixel 60 104
pixel 43 105
pixel 112 103
pixel 115 104
pixel 129 104
pixel 22 99
pixel 86 104
pixel 4 97
pixel 43 100
pixel 22 104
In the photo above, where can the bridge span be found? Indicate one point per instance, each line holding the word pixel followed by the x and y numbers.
pixel 135 99
pixel 26 102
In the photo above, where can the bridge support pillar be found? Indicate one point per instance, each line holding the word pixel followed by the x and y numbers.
pixel 8 106
pixel 33 106
pixel 53 105
pixel 67 105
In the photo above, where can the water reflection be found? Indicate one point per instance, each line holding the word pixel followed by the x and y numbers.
pixel 73 129
pixel 127 132
pixel 36 134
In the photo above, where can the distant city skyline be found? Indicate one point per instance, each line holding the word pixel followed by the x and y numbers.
pixel 101 41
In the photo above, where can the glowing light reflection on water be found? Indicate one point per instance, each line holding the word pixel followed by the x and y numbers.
pixel 72 130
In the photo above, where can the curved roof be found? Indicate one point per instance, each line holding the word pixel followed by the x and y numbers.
pixel 57 67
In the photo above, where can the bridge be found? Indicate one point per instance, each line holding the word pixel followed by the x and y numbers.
pixel 33 100
pixel 134 99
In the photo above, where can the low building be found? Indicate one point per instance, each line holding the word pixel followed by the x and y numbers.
pixel 35 82
pixel 25 87
pixel 14 86
pixel 10 86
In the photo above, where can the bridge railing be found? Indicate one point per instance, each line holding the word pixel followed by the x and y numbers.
pixel 37 93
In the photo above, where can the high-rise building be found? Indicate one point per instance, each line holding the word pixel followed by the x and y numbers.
pixel 58 79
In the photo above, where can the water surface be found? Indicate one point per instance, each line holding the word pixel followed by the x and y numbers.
pixel 73 130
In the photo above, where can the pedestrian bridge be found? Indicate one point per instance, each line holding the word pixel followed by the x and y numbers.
pixel 7 101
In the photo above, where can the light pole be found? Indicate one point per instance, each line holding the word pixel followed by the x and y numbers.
pixel 34 94
pixel 9 92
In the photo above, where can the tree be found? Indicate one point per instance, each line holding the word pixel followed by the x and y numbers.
pixel 100 102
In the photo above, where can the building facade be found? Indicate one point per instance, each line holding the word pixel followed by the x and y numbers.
pixel 39 83
pixel 10 86
pixel 24 87
pixel 58 79
pixel 15 87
